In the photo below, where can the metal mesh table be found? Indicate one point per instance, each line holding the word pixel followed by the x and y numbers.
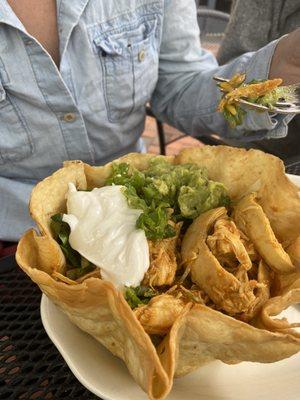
pixel 30 365
pixel 293 167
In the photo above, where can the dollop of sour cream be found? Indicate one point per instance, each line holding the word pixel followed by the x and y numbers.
pixel 103 230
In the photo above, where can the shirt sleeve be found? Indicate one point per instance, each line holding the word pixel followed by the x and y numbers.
pixel 186 95
pixel 14 215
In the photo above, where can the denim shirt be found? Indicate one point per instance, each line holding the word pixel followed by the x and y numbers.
pixel 115 56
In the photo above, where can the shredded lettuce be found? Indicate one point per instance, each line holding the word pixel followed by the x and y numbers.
pixel 139 295
pixel 77 265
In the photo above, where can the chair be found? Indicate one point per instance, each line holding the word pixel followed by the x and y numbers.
pixel 292 165
pixel 160 131
pixel 212 24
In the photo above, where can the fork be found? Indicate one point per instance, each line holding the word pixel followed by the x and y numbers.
pixel 281 107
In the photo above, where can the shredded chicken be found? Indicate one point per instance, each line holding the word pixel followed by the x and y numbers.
pixel 262 292
pixel 227 246
pixel 163 263
pixel 230 246
pixel 193 294
pixel 254 90
pixel 250 218
pixel 248 91
pixel 158 316
pixel 226 266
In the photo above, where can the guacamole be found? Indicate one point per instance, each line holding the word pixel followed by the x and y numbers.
pixel 167 193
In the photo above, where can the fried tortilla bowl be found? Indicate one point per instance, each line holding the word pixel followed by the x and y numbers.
pixel 198 334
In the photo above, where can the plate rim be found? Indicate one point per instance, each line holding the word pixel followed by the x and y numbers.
pixel 63 353
pixel 102 393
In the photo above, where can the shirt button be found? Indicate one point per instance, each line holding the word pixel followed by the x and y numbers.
pixel 28 42
pixel 141 55
pixel 69 117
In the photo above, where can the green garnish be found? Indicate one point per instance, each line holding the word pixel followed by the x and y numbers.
pixel 167 192
pixel 77 265
pixel 77 273
pixel 139 295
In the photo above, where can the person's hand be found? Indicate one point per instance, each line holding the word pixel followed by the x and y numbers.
pixel 285 63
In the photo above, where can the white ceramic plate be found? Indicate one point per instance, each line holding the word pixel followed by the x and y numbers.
pixel 107 376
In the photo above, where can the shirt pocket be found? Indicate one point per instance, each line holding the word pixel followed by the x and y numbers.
pixel 15 138
pixel 129 60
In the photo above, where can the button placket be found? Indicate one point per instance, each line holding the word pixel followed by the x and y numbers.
pixel 2 93
pixel 73 130
pixel 141 55
pixel 69 117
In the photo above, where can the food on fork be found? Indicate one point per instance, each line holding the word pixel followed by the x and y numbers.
pixel 266 93
pixel 172 262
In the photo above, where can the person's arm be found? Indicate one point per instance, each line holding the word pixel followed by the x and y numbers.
pixel 286 60
pixel 186 95
pixel 14 215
